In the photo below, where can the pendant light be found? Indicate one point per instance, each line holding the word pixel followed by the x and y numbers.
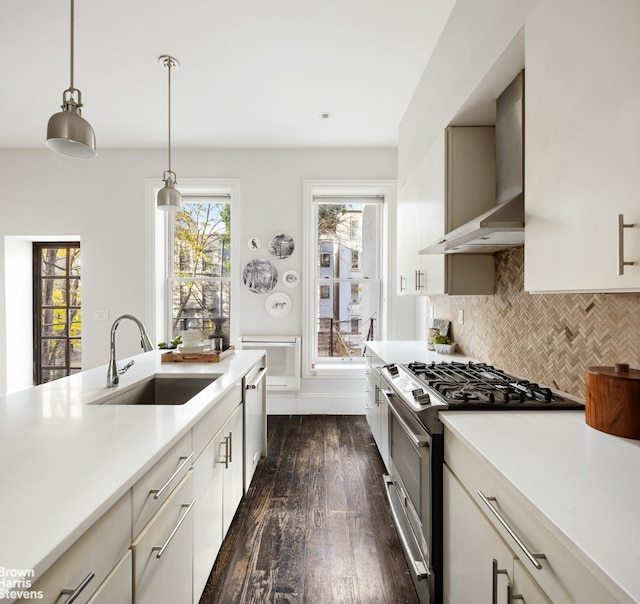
pixel 169 197
pixel 67 131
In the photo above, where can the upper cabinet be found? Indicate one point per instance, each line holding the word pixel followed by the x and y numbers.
pixel 582 146
pixel 453 183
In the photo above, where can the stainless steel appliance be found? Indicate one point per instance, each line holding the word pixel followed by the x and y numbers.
pixel 416 393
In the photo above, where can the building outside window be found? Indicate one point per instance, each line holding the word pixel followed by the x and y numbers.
pixel 347 296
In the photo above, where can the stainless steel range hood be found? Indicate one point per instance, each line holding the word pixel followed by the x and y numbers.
pixel 501 227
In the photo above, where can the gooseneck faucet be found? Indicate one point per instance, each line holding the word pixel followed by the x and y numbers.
pixel 113 373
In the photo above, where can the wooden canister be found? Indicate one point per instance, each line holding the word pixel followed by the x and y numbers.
pixel 612 402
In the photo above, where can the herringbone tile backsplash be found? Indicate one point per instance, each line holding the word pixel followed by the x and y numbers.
pixel 549 338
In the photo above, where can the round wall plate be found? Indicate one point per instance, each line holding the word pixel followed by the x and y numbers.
pixel 281 246
pixel 290 278
pixel 278 305
pixel 260 276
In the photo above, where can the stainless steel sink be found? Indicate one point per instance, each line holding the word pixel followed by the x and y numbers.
pixel 160 390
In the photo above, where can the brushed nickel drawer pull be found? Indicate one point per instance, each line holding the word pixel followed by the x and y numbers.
pixel 157 493
pixel 75 593
pixel 161 548
pixel 533 558
pixel 621 227
pixel 254 385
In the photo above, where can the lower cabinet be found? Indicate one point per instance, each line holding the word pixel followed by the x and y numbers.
pixel 163 551
pixel 117 586
pixel 377 410
pixel 218 479
pixel 495 549
pixel 478 565
pixel 89 562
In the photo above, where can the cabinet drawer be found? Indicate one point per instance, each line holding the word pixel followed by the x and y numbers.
pixel 90 559
pixel 154 487
pixel 211 423
pixel 118 585
pixel 163 552
pixel 562 576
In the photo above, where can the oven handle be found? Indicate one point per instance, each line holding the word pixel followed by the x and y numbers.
pixel 415 439
pixel 419 567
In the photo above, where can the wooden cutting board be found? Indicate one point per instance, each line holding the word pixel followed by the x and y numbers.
pixel 197 357
pixel 612 401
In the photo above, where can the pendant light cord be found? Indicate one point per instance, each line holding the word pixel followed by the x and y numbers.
pixel 169 65
pixel 71 88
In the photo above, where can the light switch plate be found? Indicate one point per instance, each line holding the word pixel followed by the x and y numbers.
pixel 460 317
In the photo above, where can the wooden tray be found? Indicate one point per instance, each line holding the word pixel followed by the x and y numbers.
pixel 197 357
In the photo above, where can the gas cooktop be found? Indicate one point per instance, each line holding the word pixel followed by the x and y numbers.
pixel 472 386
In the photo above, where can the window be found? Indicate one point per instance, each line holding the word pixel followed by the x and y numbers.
pixel 57 324
pixel 199 280
pixel 345 246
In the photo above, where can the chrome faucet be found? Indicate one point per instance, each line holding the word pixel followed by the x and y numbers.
pixel 113 373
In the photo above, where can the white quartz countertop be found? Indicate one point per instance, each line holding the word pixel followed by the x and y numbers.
pixel 407 351
pixel 582 484
pixel 65 461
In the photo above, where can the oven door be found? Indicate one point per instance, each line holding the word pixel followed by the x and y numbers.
pixel 409 490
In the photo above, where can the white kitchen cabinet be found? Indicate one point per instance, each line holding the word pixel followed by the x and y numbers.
pixel 377 407
pixel 88 562
pixel 117 587
pixel 218 481
pixel 255 436
pixel 484 519
pixel 453 183
pixel 582 124
pixel 163 551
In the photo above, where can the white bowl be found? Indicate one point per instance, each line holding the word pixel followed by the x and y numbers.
pixel 445 348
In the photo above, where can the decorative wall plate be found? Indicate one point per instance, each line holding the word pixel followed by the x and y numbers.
pixel 290 278
pixel 281 246
pixel 278 305
pixel 260 276
pixel 254 244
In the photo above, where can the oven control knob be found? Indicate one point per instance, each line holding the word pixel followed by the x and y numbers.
pixel 421 396
pixel 393 370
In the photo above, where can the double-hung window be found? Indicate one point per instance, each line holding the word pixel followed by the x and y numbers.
pixel 344 259
pixel 199 268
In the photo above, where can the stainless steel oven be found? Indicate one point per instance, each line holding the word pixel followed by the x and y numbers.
pixel 415 393
pixel 415 467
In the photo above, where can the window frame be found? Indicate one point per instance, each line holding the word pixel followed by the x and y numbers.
pixel 68 368
pixel 158 309
pixel 358 191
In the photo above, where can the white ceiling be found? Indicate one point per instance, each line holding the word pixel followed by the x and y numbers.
pixel 252 73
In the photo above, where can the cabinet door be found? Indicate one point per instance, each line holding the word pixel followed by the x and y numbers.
pixel 525 586
pixel 117 587
pixel 420 220
pixel 581 148
pixel 470 547
pixel 231 447
pixel 208 477
pixel 254 418
pixel 163 551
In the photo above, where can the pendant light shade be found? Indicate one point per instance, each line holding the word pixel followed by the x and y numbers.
pixel 67 131
pixel 169 197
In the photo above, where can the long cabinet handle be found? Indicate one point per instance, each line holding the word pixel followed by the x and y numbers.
pixel 227 454
pixel 533 558
pixel 418 280
pixel 419 567
pixel 157 493
pixel 161 548
pixel 75 593
pixel 254 385
pixel 402 283
pixel 621 227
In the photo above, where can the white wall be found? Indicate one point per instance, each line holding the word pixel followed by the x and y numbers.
pixel 102 201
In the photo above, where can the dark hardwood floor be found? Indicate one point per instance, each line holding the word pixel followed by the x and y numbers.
pixel 315 526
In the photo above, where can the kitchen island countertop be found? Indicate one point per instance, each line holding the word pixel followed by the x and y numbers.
pixel 65 461
pixel 580 483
